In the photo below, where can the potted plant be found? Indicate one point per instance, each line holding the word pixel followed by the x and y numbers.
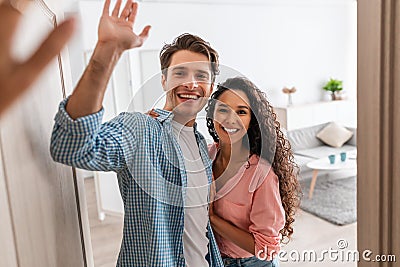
pixel 333 86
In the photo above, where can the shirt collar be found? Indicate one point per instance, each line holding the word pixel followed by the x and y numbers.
pixel 165 115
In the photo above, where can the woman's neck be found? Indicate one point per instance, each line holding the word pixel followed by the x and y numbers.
pixel 233 152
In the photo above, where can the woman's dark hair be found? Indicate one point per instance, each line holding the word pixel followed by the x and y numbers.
pixel 265 139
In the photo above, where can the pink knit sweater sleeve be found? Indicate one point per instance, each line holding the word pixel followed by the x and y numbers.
pixel 267 217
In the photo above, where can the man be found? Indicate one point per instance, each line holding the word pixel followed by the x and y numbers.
pixel 162 164
pixel 16 77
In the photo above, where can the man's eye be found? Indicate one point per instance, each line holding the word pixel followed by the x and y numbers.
pixel 202 77
pixel 222 110
pixel 178 73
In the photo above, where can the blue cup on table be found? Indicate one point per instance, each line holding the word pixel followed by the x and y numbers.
pixel 332 159
pixel 343 156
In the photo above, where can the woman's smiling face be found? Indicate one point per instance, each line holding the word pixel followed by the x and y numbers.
pixel 232 116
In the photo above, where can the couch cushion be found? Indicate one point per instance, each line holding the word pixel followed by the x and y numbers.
pixel 305 138
pixel 353 139
pixel 323 151
pixel 334 135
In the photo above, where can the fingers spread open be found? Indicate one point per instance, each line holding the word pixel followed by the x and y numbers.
pixel 106 8
pixel 48 49
pixel 143 36
pixel 10 19
pixel 145 33
pixel 127 10
pixel 132 16
pixel 116 8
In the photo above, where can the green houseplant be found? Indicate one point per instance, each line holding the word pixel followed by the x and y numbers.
pixel 333 86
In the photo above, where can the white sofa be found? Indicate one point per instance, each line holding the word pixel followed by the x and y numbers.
pixel 307 147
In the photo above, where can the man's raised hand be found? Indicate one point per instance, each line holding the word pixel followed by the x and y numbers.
pixel 114 37
pixel 116 29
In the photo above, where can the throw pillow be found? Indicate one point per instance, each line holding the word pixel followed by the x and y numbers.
pixel 334 135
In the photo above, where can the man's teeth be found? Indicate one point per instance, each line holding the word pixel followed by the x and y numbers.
pixel 189 96
pixel 231 130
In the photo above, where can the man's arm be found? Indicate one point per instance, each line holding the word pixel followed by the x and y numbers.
pixel 115 35
pixel 78 138
pixel 86 143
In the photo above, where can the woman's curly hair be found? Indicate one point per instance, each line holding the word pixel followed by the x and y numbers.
pixel 264 126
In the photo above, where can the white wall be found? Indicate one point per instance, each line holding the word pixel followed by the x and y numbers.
pixel 281 43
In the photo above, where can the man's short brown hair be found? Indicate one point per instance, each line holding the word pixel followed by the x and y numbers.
pixel 191 43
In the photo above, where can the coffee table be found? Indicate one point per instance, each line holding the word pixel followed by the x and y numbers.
pixel 324 164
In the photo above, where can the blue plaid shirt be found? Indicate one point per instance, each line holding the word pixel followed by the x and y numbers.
pixel 149 163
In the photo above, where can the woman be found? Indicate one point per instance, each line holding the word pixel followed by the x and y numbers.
pixel 257 192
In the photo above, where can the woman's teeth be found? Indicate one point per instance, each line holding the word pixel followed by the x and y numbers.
pixel 195 97
pixel 231 130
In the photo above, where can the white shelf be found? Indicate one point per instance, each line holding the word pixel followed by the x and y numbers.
pixel 305 115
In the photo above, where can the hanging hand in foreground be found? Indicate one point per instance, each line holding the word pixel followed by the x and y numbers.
pixel 16 77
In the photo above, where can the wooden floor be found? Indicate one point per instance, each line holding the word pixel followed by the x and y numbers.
pixel 311 233
pixel 314 234
pixel 106 235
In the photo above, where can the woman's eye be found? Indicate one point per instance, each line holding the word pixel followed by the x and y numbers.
pixel 242 112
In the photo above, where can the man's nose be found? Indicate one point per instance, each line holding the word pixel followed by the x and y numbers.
pixel 192 83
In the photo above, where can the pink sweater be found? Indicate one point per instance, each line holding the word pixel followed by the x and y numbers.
pixel 251 201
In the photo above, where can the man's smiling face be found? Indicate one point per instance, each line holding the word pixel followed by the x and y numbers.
pixel 188 82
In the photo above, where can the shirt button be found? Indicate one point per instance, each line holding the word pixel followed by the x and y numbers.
pixel 181 256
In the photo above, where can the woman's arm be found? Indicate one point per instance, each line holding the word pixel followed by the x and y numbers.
pixel 267 217
pixel 266 220
pixel 230 232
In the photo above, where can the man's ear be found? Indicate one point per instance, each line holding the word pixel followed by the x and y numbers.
pixel 211 88
pixel 164 82
pixel 168 101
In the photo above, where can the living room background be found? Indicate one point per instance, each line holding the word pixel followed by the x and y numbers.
pixel 299 43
